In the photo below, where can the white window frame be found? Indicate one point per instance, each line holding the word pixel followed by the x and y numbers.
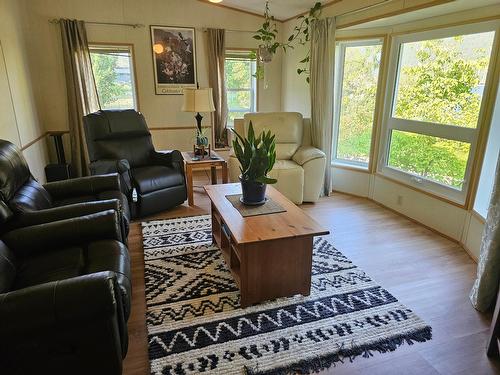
pixel 120 48
pixel 340 50
pixel 451 132
pixel 235 54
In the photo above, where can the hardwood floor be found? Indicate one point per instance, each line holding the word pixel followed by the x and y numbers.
pixel 429 273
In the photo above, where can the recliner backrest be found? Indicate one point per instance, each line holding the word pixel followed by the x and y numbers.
pixel 118 134
pixel 8 268
pixel 19 191
pixel 14 170
pixel 286 126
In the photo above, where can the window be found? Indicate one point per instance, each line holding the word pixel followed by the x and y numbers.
pixel 241 85
pixel 114 76
pixel 432 113
pixel 357 71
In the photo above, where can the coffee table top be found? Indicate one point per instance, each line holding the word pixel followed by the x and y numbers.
pixel 188 158
pixel 292 223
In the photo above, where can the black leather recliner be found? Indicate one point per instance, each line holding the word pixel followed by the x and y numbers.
pixel 24 201
pixel 64 297
pixel 119 141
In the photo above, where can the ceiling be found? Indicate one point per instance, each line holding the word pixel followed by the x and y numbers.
pixel 438 10
pixel 280 9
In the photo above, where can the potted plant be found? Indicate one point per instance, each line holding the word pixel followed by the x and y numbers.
pixel 256 156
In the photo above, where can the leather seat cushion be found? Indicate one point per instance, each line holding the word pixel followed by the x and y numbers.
pixel 50 266
pixel 153 178
pixel 97 256
pixel 290 178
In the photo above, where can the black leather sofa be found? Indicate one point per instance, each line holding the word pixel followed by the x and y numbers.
pixel 24 201
pixel 64 297
pixel 119 141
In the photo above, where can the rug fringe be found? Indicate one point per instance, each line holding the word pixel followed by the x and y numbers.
pixel 320 363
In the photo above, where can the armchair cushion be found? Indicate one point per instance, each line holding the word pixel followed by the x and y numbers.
pixel 57 303
pixel 156 177
pixel 307 153
pixel 290 178
pixel 97 256
pixel 286 126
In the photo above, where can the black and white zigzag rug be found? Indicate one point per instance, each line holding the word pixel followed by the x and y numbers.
pixel 196 325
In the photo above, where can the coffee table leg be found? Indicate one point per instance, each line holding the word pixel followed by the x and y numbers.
pixel 189 183
pixel 213 171
pixel 224 173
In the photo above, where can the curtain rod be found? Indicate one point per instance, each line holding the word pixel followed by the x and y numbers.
pixel 233 31
pixel 134 25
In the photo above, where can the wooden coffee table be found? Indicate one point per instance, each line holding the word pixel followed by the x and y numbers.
pixel 269 256
pixel 205 163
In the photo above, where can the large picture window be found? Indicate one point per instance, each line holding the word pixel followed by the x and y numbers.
pixel 356 79
pixel 241 84
pixel 435 95
pixel 114 76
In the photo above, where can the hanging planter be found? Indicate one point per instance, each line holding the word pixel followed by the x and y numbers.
pixel 265 54
pixel 301 35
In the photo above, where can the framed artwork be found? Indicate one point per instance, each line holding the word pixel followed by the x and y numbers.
pixel 174 58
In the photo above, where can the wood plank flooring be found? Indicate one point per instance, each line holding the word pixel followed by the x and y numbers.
pixel 428 273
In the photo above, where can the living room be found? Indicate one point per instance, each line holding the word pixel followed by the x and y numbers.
pixel 261 187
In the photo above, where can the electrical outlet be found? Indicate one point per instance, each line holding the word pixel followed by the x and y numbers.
pixel 400 200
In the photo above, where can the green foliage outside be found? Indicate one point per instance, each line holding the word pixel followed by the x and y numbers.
pixel 112 93
pixel 238 77
pixel 440 82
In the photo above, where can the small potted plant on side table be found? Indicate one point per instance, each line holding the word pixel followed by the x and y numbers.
pixel 256 156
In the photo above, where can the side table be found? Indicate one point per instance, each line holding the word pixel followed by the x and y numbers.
pixel 205 163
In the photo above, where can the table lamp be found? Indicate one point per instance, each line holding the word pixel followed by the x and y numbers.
pixel 199 100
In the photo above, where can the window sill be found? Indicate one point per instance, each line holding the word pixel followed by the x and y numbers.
pixel 458 202
pixel 351 167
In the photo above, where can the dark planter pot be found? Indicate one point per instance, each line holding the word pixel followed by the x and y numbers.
pixel 254 193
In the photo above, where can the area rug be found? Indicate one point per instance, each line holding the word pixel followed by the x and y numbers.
pixel 195 323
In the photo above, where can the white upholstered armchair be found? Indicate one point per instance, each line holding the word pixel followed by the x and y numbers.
pixel 300 167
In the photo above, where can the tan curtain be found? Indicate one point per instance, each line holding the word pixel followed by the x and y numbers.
pixel 81 89
pixel 216 49
pixel 485 287
pixel 322 64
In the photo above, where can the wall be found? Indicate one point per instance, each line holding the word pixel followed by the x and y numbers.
pixel 161 111
pixel 491 156
pixel 19 118
pixel 455 222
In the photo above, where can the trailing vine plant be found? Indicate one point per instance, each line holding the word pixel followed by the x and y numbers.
pixel 301 35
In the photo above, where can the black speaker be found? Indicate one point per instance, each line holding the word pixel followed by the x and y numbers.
pixel 57 172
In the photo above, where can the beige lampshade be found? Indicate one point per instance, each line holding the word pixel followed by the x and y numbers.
pixel 198 100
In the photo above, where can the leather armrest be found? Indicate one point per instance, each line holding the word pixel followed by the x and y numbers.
pixel 59 303
pixel 65 212
pixel 307 153
pixel 64 233
pixel 83 186
pixel 170 158
pixel 106 166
